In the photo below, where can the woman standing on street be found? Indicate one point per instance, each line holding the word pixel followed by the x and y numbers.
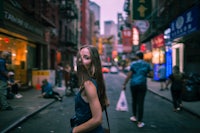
pixel 91 98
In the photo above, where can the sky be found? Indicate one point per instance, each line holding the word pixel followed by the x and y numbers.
pixel 109 10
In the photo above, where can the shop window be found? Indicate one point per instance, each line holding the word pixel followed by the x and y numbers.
pixel 17 59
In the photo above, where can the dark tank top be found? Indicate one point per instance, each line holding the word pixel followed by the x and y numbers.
pixel 83 112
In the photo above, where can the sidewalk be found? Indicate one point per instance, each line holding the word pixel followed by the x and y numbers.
pixel 25 107
pixel 31 103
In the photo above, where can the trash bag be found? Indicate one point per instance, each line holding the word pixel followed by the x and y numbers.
pixel 122 102
pixel 191 90
pixel 190 93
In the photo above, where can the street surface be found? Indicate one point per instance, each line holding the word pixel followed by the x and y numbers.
pixel 158 115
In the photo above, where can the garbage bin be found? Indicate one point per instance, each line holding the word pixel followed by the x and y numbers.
pixel 191 90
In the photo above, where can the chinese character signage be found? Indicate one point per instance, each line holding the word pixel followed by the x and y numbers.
pixel 127 40
pixel 158 41
pixel 127 37
pixel 141 9
pixel 186 23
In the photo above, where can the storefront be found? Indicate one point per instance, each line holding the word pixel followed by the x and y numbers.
pixel 158 54
pixel 24 39
pixel 185 36
pixel 147 50
pixel 168 52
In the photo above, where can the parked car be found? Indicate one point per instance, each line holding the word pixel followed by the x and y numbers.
pixel 105 70
pixel 114 69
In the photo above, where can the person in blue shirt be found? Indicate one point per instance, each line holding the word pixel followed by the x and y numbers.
pixel 162 77
pixel 139 70
pixel 48 92
pixel 4 105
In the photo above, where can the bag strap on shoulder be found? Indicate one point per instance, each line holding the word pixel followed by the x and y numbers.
pixel 107 118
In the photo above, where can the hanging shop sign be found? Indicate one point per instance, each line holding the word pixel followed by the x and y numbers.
pixel 158 41
pixel 135 35
pixel 141 9
pixel 142 25
pixel 127 40
pixel 186 23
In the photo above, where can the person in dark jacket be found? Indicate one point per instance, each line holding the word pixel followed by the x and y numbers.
pixel 176 79
pixel 13 85
pixel 3 82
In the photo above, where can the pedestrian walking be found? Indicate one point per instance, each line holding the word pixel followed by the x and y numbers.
pixel 139 70
pixel 67 71
pixel 4 105
pixel 71 80
pixel 162 77
pixel 176 79
pixel 91 98
pixel 59 75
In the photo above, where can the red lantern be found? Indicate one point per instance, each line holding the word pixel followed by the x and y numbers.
pixel 143 48
pixel 6 40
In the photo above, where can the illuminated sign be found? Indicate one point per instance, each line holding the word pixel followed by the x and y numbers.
pixel 141 9
pixel 186 23
pixel 158 41
pixel 142 25
pixel 127 40
pixel 135 33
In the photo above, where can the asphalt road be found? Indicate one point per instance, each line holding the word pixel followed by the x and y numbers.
pixel 158 115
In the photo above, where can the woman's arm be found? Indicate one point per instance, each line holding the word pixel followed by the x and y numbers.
pixel 90 95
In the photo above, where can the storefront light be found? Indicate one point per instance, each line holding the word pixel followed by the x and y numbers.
pixel 6 40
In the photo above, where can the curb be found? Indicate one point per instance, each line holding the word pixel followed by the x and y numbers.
pixel 24 118
pixel 188 110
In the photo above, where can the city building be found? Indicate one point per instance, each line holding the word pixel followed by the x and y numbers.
pixel 27 33
pixel 172 36
pixel 69 32
pixel 39 34
pixel 95 26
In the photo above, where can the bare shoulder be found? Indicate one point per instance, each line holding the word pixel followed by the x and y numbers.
pixel 89 87
pixel 88 83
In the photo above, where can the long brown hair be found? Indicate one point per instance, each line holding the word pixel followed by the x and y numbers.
pixel 94 71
